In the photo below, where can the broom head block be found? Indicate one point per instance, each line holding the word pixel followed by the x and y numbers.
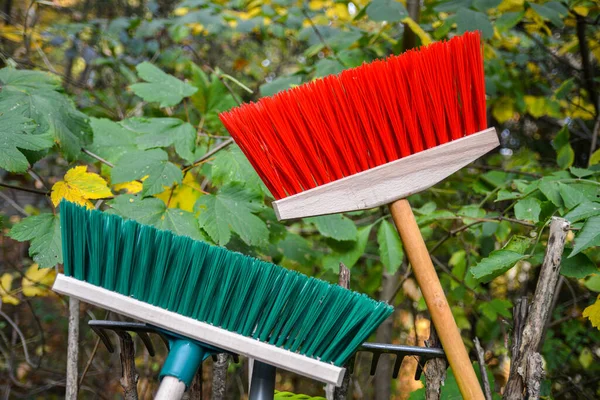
pixel 389 182
pixel 203 332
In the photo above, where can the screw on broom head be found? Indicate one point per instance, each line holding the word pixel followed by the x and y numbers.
pixel 367 116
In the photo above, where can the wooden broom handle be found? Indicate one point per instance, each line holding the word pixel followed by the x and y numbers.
pixel 435 298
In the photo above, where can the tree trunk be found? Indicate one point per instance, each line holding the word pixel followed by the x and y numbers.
pixel 73 350
pixel 219 381
pixel 526 371
pixel 341 393
pixel 129 375
pixel 435 370
pixel 383 387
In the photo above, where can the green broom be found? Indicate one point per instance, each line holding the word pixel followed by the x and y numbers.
pixel 210 296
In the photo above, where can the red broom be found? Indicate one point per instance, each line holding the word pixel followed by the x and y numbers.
pixel 373 135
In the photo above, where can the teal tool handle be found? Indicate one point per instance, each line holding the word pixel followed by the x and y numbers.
pixel 185 356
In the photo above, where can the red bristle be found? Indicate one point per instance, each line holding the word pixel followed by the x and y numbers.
pixel 364 117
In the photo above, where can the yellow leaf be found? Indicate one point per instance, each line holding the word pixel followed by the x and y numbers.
pixel 504 109
pixel 37 282
pixel 593 313
pixel 339 11
pixel 581 10
pixel 536 106
pixel 511 5
pixel 595 158
pixel 567 47
pixel 132 187
pixel 181 11
pixel 185 195
pixel 5 285
pixel 79 186
pixel 424 36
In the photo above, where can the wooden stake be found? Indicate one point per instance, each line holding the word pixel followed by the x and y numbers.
pixel 435 298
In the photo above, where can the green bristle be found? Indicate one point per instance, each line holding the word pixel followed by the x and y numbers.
pixel 180 266
pixel 295 288
pixel 186 305
pixel 211 284
pixel 112 224
pixel 162 243
pixel 143 259
pixel 125 265
pixel 294 321
pixel 243 291
pixel 66 211
pixel 95 248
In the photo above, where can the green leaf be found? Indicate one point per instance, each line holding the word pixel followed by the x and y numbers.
pixel 386 10
pixel 578 266
pixel 583 211
pixel 518 244
pixel 452 6
pixel 111 140
pixel 509 20
pixel 528 209
pixel 589 236
pixel 231 165
pixel 53 114
pixel 390 246
pixel 570 195
pixel 565 156
pixel 494 308
pixel 153 211
pixel 581 172
pixel 15 134
pixel 335 226
pixel 564 89
pixel 151 163
pixel 146 211
pixel 497 263
pixel 469 20
pixel 327 66
pixel 552 11
pixel 232 208
pixel 279 84
pixel 550 188
pixel 43 232
pixel 164 132
pixel 506 195
pixel 18 80
pixel 484 5
pixel 161 87
pixel 352 255
pixel 294 247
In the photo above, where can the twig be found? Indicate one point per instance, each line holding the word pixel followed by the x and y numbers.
pixel 588 70
pixel 487 390
pixel 97 157
pixel 208 155
pixel 595 134
pixel 527 365
pixel 321 38
pixel 14 204
pixel 23 189
pixel 21 336
pixel 26 27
